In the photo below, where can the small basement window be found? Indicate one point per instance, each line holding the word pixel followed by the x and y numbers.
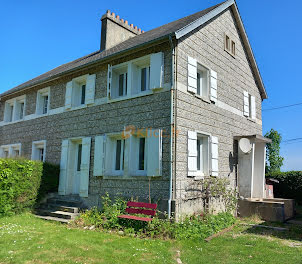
pixel 203 81
pixel 10 151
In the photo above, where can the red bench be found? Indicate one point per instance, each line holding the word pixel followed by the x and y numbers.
pixel 139 208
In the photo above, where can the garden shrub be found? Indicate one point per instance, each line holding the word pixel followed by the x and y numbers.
pixel 289 186
pixel 19 183
pixel 190 227
pixel 49 180
pixel 23 182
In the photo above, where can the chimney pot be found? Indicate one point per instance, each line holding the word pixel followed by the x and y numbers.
pixel 108 12
pixel 131 25
pixel 126 22
pixel 135 27
pixel 122 20
pixel 118 17
pixel 113 15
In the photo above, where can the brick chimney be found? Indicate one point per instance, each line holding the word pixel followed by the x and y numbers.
pixel 116 30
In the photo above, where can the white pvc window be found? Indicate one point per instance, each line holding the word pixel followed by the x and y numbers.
pixel 38 150
pixel 43 102
pixel 10 151
pixel 203 82
pixel 203 143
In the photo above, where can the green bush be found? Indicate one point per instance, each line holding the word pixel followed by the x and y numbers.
pixel 49 180
pixel 289 186
pixel 19 183
pixel 191 227
pixel 23 182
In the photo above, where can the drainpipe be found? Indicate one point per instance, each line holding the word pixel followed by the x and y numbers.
pixel 171 129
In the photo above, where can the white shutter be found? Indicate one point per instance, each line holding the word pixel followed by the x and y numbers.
pixel 157 70
pixel 213 81
pixel 154 153
pixel 99 151
pixel 192 153
pixel 90 89
pixel 63 167
pixel 253 107
pixel 39 104
pixel 214 156
pixel 68 95
pixel 192 75
pixel 85 165
pixel 7 112
pixel 246 104
pixel 109 81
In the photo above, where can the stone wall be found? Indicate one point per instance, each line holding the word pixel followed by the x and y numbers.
pixel 206 44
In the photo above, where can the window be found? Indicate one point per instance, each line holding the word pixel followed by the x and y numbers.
pixel 42 105
pixel 250 105
pixel 202 81
pixel 79 159
pixel 14 109
pixel 135 77
pixel 119 81
pixel 78 92
pixel 83 94
pixel 141 155
pixel 229 45
pixel 38 150
pixel 202 155
pixel 138 162
pixel 10 151
pixel 119 155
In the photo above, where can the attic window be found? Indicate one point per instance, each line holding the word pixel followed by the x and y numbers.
pixel 229 45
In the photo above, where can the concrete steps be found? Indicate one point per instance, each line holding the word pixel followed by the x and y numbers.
pixel 60 209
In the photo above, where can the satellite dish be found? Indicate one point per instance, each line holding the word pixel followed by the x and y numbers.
pixel 245 145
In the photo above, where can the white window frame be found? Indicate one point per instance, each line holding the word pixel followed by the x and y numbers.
pixel 9 111
pixel 200 173
pixel 110 154
pixel 11 148
pixel 133 69
pixel 12 109
pixel 36 146
pixel 77 83
pixel 134 155
pixel 41 94
pixel 203 68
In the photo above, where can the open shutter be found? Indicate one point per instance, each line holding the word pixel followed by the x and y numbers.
pixel 99 151
pixel 192 153
pixel 68 95
pixel 63 167
pixel 246 104
pixel 90 89
pixel 109 81
pixel 213 81
pixel 214 156
pixel 154 153
pixel 192 75
pixel 157 70
pixel 84 180
pixel 253 107
pixel 38 104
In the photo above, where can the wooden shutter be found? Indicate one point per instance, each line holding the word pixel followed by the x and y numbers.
pixel 39 104
pixel 253 107
pixel 192 75
pixel 192 153
pixel 157 70
pixel 85 165
pixel 213 82
pixel 90 89
pixel 63 167
pixel 246 104
pixel 68 95
pixel 214 156
pixel 109 81
pixel 99 151
pixel 154 153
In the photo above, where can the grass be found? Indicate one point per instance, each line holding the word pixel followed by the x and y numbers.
pixel 26 239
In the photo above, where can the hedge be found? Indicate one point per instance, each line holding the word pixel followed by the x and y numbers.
pixel 289 186
pixel 22 182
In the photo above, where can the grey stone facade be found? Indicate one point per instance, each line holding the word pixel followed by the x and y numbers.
pixel 206 44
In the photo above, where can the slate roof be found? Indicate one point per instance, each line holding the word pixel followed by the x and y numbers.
pixel 144 38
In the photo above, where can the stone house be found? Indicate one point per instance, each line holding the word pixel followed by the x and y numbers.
pixel 153 111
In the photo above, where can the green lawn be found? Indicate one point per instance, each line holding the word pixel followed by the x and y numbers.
pixel 26 239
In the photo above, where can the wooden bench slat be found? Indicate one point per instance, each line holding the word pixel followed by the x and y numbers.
pixel 140 211
pixel 144 205
pixel 146 219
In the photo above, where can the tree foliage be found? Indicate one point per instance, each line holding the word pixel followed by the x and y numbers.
pixel 273 159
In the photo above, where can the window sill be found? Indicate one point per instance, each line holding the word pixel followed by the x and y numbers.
pixel 127 177
pixel 206 100
pixel 122 98
pixel 230 53
pixel 251 120
pixel 77 107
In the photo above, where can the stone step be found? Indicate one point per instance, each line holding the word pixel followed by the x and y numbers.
pixel 66 203
pixel 63 208
pixel 51 218
pixel 62 214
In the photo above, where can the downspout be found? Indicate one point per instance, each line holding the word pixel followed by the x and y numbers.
pixel 171 129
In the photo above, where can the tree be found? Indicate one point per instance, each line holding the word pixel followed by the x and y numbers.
pixel 273 159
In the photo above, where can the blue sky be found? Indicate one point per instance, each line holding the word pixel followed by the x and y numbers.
pixel 37 36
